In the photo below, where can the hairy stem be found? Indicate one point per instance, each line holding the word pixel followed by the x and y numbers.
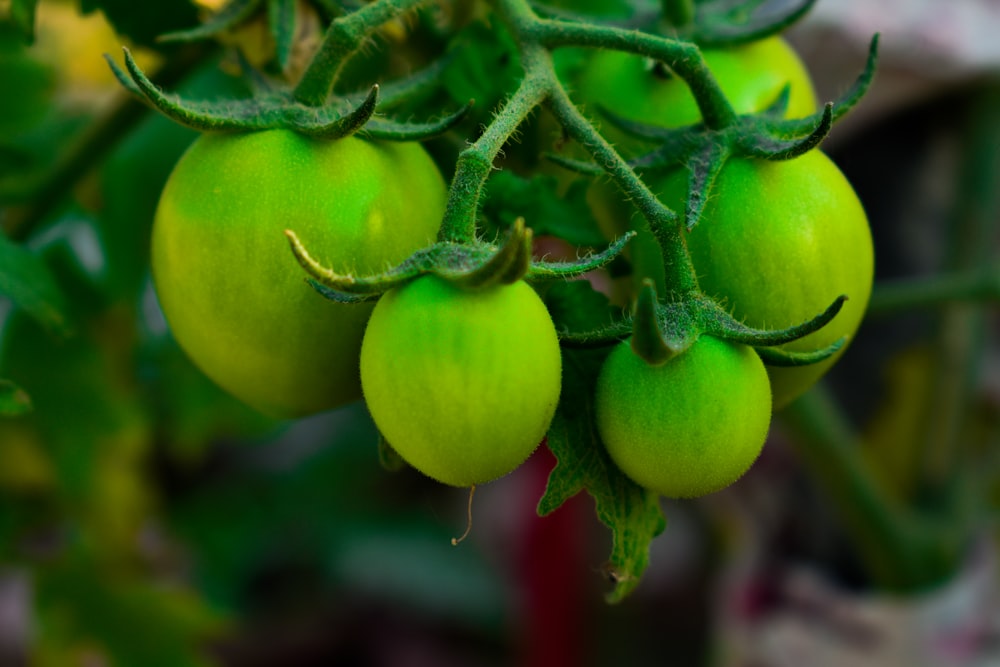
pixel 344 37
pixel 683 58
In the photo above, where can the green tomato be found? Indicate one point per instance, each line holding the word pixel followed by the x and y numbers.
pixel 777 243
pixel 231 290
pixel 463 384
pixel 690 426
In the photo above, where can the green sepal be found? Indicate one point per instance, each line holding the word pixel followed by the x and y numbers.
pixel 725 23
pixel 649 341
pixel 395 131
pixel 472 266
pixel 777 357
pixel 273 108
pixel 542 271
pixel 719 323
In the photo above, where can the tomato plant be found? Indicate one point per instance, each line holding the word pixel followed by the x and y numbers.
pixel 463 384
pixel 231 291
pixel 776 245
pixel 690 426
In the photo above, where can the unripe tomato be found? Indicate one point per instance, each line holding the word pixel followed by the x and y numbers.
pixel 688 427
pixel 463 384
pixel 777 243
pixel 232 292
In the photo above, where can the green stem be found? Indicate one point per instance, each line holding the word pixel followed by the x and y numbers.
pixel 683 58
pixel 961 339
pixel 534 37
pixel 476 162
pixel 934 291
pixel 899 552
pixel 343 38
pixel 679 13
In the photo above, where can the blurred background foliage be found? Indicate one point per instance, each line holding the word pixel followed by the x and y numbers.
pixel 148 519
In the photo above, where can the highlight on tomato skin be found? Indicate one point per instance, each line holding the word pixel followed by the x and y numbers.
pixel 462 384
pixel 688 427
pixel 235 297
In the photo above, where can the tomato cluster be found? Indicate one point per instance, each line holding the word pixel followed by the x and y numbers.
pixel 463 383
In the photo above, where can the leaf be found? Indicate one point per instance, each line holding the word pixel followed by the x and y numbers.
pixel 144 21
pixel 14 401
pixel 22 15
pixel 26 279
pixel 537 200
pixel 486 69
pixel 577 306
pixel 632 513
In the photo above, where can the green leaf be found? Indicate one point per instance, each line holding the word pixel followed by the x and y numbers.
pixel 144 21
pixel 486 69
pixel 124 620
pixel 22 15
pixel 537 200
pixel 577 306
pixel 14 401
pixel 632 513
pixel 26 279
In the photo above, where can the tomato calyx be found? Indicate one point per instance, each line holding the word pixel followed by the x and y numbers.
pixel 475 265
pixel 309 107
pixel 704 151
pixel 661 330
pixel 277 108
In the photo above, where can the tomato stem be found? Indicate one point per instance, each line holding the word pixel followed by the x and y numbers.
pixel 683 58
pixel 343 38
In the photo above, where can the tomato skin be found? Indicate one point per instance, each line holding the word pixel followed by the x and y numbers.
pixel 231 290
pixel 688 427
pixel 463 384
pixel 777 243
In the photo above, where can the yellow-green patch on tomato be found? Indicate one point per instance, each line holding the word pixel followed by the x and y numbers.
pixel 778 242
pixel 463 384
pixel 231 290
pixel 688 427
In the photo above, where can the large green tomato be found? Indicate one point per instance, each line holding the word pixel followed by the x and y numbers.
pixel 688 427
pixel 777 243
pixel 463 384
pixel 232 292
